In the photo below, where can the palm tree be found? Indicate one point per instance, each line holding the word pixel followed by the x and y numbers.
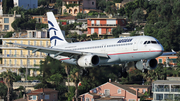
pixel 8 78
pixel 75 78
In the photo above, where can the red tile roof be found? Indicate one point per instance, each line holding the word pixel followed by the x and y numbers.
pixel 126 88
pixel 46 90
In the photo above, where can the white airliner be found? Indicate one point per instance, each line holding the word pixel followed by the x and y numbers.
pixel 142 49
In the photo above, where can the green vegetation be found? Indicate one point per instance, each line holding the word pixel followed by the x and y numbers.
pixel 7 5
pixel 71 5
pixel 8 79
pixel 163 23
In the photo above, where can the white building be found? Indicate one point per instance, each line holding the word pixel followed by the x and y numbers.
pixel 1 11
pixel 26 4
pixel 166 90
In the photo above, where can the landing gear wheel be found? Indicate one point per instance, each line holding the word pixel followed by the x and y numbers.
pixel 84 72
pixel 125 74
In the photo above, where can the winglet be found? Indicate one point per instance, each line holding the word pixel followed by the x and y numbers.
pixel 173 50
pixel 169 53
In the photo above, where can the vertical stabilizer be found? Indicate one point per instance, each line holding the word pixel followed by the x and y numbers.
pixel 56 36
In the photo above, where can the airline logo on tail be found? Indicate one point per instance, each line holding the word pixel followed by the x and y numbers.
pixel 54 37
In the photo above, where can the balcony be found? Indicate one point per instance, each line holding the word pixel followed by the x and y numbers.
pixel 16 46
pixel 162 90
pixel 102 25
pixel 17 66
pixel 21 56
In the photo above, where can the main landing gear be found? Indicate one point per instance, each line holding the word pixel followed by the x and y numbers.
pixel 84 72
pixel 123 73
pixel 144 70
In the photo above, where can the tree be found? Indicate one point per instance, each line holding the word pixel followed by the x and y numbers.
pixel 58 4
pixel 3 91
pixel 24 23
pixel 117 1
pixel 121 11
pixel 8 78
pixel 42 2
pixel 7 5
pixel 80 16
pixel 110 7
pixel 94 36
pixel 52 70
pixel 129 9
pixel 138 16
pixel 117 31
pixel 152 17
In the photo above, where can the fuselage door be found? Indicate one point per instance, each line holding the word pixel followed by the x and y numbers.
pixel 135 44
pixel 103 48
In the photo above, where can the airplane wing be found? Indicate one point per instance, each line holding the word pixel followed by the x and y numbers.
pixel 56 51
pixel 169 53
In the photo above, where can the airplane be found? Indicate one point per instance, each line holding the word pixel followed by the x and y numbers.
pixel 139 49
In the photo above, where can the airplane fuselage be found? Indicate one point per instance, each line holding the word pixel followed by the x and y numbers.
pixel 119 50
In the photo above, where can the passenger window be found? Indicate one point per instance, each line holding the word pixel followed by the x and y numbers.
pixel 148 42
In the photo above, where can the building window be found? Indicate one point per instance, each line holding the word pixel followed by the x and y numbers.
pixel 34 61
pixel 160 60
pixel 107 92
pixel 33 97
pixel 168 96
pixel 132 100
pixel 144 90
pixel 159 96
pixel 6 27
pixel 34 6
pixel 46 96
pixel 92 3
pixel 92 99
pixel 119 91
pixel 87 99
pixel 6 20
pixel 94 91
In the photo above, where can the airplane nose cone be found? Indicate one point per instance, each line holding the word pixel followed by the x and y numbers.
pixel 159 49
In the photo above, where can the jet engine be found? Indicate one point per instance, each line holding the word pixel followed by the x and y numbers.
pixel 88 61
pixel 150 64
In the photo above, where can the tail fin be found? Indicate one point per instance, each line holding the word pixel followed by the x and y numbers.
pixel 56 36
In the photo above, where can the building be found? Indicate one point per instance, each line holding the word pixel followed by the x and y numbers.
pixel 166 90
pixel 46 94
pixel 103 26
pixel 26 4
pixel 120 5
pixel 113 91
pixel 168 60
pixel 1 11
pixel 14 58
pixel 6 20
pixel 41 18
pixel 74 7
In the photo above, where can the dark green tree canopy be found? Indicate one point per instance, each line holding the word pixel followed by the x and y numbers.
pixel 117 31
pixel 7 5
pixel 164 24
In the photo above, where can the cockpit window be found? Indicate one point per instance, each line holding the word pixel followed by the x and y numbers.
pixel 153 42
pixel 145 42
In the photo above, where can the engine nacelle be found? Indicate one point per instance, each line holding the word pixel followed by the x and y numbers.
pixel 88 61
pixel 149 65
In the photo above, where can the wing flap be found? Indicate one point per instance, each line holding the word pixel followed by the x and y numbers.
pixel 56 51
